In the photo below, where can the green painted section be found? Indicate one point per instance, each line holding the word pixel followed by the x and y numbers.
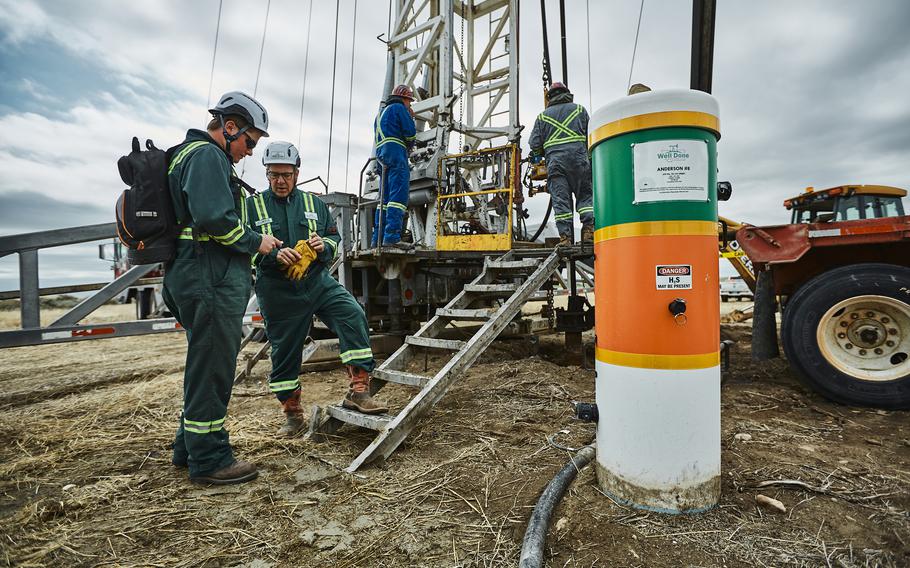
pixel 614 193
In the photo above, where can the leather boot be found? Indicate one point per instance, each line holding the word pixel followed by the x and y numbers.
pixel 587 233
pixel 358 398
pixel 295 422
pixel 238 472
pixel 564 241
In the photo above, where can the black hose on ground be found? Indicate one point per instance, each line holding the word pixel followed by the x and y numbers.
pixel 536 534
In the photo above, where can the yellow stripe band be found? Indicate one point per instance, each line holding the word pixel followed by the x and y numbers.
pixel 232 237
pixel 308 207
pixel 183 153
pixel 279 386
pixel 187 234
pixel 356 354
pixel 203 427
pixel 334 246
pixel 684 118
pixel 657 228
pixel 645 361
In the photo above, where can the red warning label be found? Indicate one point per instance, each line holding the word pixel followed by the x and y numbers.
pixel 674 277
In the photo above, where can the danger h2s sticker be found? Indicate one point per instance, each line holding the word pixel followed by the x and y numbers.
pixel 674 277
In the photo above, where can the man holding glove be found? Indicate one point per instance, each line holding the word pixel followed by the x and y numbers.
pixel 293 284
pixel 207 285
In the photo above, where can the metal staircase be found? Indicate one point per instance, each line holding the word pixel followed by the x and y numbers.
pixel 503 278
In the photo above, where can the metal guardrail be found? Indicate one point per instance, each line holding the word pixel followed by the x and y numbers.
pixel 28 244
pixel 55 290
pixel 66 327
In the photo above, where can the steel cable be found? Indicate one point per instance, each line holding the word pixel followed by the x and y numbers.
pixel 215 52
pixel 328 174
pixel 635 48
pixel 347 153
pixel 306 63
pixel 265 27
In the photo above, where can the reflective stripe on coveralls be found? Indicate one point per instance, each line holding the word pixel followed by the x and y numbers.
pixel 353 354
pixel 175 161
pixel 310 213
pixel 381 138
pixel 562 134
pixel 264 222
pixel 203 427
pixel 280 386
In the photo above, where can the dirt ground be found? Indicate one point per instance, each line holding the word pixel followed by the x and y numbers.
pixel 86 478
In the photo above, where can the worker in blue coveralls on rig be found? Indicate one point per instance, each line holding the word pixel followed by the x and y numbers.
pixel 395 131
pixel 293 284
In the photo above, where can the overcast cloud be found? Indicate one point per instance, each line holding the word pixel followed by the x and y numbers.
pixel 811 93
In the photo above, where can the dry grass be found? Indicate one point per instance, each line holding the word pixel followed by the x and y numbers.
pixel 85 478
pixel 10 319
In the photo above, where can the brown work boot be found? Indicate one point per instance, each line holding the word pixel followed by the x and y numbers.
pixel 238 472
pixel 564 241
pixel 358 398
pixel 295 421
pixel 587 233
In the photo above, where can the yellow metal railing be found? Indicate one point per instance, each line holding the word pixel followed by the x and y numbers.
pixel 479 242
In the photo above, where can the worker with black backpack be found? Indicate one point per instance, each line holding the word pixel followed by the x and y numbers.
pixel 207 284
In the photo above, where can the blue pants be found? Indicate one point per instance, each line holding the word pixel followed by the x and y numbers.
pixel 394 203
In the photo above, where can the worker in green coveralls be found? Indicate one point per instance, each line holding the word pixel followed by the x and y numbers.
pixel 207 285
pixel 293 284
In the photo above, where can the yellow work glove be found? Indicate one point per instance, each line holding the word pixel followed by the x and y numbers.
pixel 298 270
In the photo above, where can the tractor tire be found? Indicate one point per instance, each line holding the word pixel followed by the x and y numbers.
pixel 846 334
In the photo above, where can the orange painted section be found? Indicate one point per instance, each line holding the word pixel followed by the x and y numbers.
pixel 633 316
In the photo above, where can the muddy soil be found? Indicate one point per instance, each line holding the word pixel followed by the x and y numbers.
pixel 86 478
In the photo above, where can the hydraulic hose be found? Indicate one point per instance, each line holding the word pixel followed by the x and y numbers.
pixel 546 217
pixel 536 534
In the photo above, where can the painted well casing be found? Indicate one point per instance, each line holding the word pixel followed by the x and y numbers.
pixel 658 376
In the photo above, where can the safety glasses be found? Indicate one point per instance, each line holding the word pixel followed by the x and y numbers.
pixel 286 176
pixel 250 143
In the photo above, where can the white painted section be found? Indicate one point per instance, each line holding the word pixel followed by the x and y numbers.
pixel 56 335
pixel 659 429
pixel 654 101
pixel 824 233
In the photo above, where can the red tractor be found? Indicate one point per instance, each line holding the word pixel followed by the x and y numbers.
pixel 841 272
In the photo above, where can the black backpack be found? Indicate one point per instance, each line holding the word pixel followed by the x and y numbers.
pixel 146 223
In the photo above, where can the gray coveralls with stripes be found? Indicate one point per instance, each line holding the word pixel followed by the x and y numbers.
pixel 560 135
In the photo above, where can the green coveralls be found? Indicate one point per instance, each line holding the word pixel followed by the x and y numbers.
pixel 288 306
pixel 207 287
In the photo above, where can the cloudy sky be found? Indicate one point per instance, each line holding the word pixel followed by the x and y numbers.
pixel 811 92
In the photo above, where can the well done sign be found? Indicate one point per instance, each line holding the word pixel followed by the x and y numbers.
pixel 670 170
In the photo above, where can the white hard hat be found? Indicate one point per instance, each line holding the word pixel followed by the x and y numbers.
pixel 278 152
pixel 241 104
